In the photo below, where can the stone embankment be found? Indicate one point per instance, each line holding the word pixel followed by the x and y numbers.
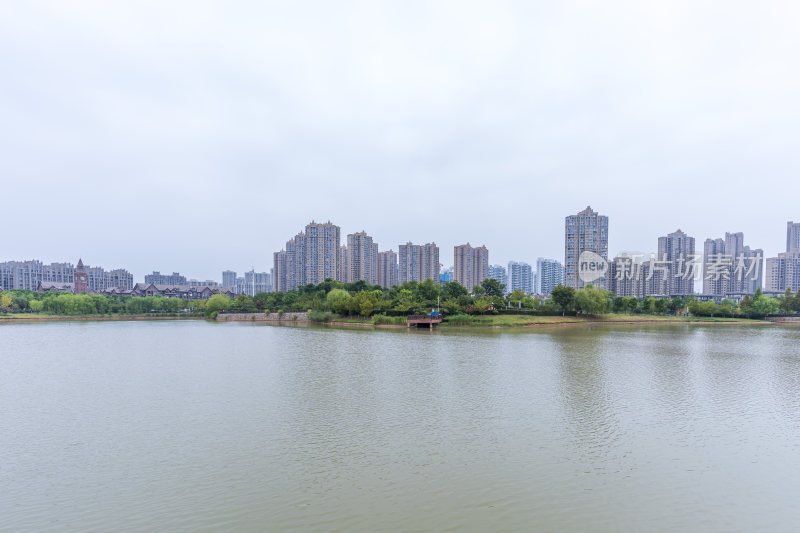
pixel 784 319
pixel 266 317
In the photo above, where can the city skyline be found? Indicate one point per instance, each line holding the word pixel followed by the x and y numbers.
pixel 791 243
pixel 264 250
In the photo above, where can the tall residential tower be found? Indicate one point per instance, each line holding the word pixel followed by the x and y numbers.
pixel 586 231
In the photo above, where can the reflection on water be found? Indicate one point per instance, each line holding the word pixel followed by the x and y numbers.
pixel 240 426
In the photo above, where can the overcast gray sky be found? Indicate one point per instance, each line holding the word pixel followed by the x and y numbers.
pixel 198 136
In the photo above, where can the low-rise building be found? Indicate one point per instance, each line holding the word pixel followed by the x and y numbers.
pixel 185 292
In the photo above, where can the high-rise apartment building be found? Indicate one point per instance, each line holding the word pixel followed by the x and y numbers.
pixel 783 272
pixel 387 269
pixel 549 273
pixel 675 267
pixel 26 275
pixel 730 268
pixel 586 231
pixel 202 283
pixel 229 279
pixel 499 273
pixel 279 275
pixel 470 265
pixel 713 284
pixel 418 262
pixel 344 267
pixel 793 236
pixel 157 278
pixel 312 256
pixel 321 252
pixel 520 276
pixel 628 276
pixel 255 282
pixel 362 258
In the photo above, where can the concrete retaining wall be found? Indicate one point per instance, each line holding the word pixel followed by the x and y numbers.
pixel 286 317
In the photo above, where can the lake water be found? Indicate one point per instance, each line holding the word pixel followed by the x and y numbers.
pixel 195 426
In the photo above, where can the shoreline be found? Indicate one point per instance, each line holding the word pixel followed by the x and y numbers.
pixel 535 325
pixel 32 319
pixel 345 324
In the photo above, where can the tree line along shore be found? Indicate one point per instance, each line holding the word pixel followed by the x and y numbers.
pixel 364 303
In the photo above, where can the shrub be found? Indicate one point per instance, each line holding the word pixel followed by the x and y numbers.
pixel 320 316
pixel 462 319
pixel 383 319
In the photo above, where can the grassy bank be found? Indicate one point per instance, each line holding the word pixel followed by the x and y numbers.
pixel 45 317
pixel 326 317
pixel 528 320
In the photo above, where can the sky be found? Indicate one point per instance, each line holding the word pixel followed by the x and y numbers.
pixel 200 136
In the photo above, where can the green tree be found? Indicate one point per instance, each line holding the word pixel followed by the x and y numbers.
pixel 516 298
pixel 337 300
pixel 244 304
pixel 648 305
pixel 492 287
pixel 563 297
pixel 454 290
pixel 591 300
pixel 787 302
pixel 482 304
pixel 765 306
pixel 218 303
pixel 428 290
pixel 363 303
pixel 746 305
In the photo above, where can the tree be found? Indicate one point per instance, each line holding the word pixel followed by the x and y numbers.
pixel 482 304
pixel 563 297
pixel 336 298
pixel 746 305
pixel 492 287
pixel 591 300
pixel 787 302
pixel 648 305
pixel 243 303
pixel 217 303
pixel 5 301
pixel 363 303
pixel 428 290
pixel 765 306
pixel 516 297
pixel 727 307
pixel 453 290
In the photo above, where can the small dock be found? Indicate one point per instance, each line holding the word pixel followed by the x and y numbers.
pixel 423 321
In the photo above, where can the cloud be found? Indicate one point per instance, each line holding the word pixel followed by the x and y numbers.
pixel 446 121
